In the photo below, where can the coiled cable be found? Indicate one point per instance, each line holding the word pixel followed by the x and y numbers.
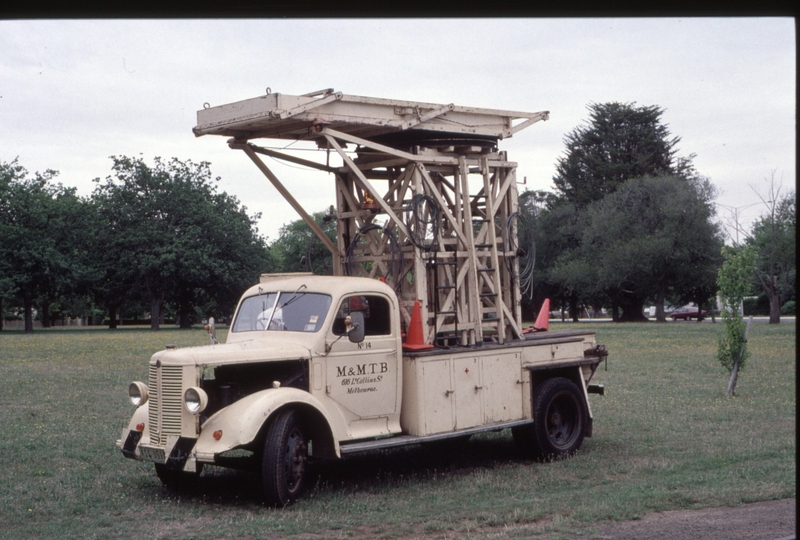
pixel 511 245
pixel 422 220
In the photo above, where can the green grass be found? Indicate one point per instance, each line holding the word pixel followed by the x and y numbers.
pixel 665 437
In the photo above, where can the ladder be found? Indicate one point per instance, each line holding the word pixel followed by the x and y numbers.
pixel 447 269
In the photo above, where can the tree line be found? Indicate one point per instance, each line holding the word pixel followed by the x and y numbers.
pixel 149 238
pixel 630 223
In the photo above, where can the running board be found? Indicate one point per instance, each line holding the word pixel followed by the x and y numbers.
pixel 403 440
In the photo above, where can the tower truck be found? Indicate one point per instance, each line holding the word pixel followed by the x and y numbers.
pixel 417 335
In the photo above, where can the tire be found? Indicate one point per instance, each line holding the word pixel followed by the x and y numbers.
pixel 175 479
pixel 284 467
pixel 559 421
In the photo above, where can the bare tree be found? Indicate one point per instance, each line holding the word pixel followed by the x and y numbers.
pixel 773 236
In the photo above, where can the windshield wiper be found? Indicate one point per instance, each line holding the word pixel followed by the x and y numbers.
pixel 291 299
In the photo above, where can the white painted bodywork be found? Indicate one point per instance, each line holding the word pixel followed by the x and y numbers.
pixel 362 390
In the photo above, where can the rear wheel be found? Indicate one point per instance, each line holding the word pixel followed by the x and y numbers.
pixel 284 466
pixel 559 421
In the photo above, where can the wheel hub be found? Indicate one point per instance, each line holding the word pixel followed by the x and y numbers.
pixel 296 458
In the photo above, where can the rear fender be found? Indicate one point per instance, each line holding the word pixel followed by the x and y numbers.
pixel 241 422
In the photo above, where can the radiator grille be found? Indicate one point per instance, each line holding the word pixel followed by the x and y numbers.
pixel 166 402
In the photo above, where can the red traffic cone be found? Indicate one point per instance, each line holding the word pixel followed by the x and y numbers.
pixel 415 340
pixel 543 320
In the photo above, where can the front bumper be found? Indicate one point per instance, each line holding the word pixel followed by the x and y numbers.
pixel 177 454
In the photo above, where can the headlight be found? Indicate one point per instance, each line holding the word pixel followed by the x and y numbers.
pixel 137 392
pixel 195 400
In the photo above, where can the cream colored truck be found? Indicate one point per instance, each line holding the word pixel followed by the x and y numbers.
pixel 314 368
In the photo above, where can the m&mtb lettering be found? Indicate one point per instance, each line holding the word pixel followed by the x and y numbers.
pixel 372 368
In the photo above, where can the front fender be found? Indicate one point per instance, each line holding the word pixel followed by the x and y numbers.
pixel 241 421
pixel 140 416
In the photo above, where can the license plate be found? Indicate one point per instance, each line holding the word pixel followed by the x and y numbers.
pixel 150 453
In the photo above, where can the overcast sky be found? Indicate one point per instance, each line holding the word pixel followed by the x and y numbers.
pixel 73 93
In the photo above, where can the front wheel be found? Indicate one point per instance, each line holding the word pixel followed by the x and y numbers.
pixel 284 466
pixel 559 420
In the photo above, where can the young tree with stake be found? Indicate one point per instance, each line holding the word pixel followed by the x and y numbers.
pixel 733 280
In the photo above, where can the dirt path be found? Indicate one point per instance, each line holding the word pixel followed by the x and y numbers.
pixel 771 520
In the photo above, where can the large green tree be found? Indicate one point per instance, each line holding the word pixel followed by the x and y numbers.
pixel 651 237
pixel 297 248
pixel 42 230
pixel 619 142
pixel 619 242
pixel 550 225
pixel 115 285
pixel 166 231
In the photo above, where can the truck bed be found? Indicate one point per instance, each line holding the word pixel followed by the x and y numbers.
pixel 457 388
pixel 588 356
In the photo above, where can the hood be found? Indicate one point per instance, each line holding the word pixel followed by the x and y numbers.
pixel 255 350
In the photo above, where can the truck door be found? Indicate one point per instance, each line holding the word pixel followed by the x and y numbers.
pixel 364 377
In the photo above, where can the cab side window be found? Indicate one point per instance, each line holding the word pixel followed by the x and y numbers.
pixel 377 314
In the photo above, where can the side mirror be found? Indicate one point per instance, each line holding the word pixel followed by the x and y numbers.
pixel 355 328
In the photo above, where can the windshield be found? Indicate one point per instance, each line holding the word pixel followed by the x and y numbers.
pixel 290 311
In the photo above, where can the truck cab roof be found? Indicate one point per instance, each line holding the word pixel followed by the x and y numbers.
pixel 336 286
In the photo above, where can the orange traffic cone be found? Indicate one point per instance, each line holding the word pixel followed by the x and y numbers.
pixel 543 320
pixel 415 341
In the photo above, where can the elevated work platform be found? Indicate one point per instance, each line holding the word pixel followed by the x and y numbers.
pixel 281 116
pixel 426 201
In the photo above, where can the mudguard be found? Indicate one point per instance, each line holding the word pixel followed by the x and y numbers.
pixel 139 417
pixel 241 421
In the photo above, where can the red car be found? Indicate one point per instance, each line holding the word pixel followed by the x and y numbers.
pixel 688 314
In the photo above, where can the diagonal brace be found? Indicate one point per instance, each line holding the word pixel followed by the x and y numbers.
pixel 290 199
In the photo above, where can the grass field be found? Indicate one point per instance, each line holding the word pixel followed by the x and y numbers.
pixel 665 437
